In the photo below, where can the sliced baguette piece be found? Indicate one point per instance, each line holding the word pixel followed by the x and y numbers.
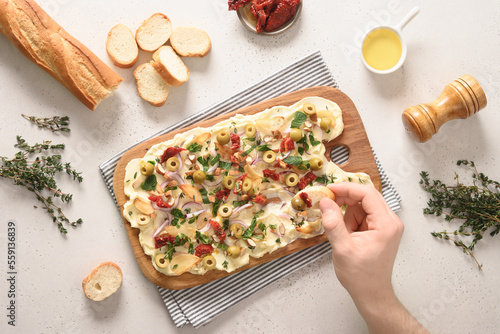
pixel 150 85
pixel 103 281
pixel 121 46
pixel 153 32
pixel 190 42
pixel 170 66
pixel 315 194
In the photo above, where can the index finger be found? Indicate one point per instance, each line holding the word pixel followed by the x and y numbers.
pixel 352 193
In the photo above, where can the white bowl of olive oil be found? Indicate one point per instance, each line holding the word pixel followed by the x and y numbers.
pixel 384 49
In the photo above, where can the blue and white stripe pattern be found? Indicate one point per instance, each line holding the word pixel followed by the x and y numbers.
pixel 196 305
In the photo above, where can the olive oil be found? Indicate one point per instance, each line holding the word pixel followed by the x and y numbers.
pixel 382 49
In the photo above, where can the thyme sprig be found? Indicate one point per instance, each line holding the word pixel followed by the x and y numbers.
pixel 38 176
pixel 477 205
pixel 53 124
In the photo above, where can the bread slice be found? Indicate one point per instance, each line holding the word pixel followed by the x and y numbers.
pixel 153 32
pixel 103 281
pixel 121 46
pixel 170 66
pixel 190 42
pixel 150 85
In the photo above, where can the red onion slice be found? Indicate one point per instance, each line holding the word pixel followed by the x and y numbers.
pixel 232 222
pixel 196 213
pixel 193 206
pixel 214 183
pixel 286 154
pixel 176 177
pixel 213 168
pixel 238 209
pixel 284 216
pixel 162 226
pixel 206 228
pixel 181 163
pixel 312 219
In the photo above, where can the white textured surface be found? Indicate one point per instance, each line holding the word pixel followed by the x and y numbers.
pixel 437 283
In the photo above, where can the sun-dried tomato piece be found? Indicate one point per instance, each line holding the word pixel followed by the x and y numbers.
pixel 222 194
pixel 219 231
pixel 287 145
pixel 170 152
pixel 284 11
pixel 271 174
pixel 203 249
pixel 162 240
pixel 306 179
pixel 159 201
pixel 261 9
pixel 235 140
pixel 281 164
pixel 260 199
pixel 237 4
pixel 306 199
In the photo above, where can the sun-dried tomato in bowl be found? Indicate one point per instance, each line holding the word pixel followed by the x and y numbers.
pixel 270 15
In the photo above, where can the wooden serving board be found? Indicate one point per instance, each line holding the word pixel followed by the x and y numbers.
pixel 354 138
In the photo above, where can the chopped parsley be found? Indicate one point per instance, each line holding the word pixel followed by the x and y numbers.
pixel 203 238
pixel 194 147
pixel 247 152
pixel 204 163
pixel 204 196
pixel 225 165
pixel 239 203
pixel 278 241
pixel 215 208
pixel 222 246
pixel 249 231
pixel 326 179
pixel 224 264
pixel 191 249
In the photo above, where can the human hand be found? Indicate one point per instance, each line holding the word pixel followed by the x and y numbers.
pixel 365 241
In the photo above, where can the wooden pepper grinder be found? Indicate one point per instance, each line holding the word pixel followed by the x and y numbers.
pixel 460 99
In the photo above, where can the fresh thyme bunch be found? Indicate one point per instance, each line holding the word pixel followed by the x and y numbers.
pixel 53 124
pixel 38 176
pixel 478 206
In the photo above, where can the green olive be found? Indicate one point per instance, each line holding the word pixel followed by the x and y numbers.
pixel 161 260
pixel 316 163
pixel 173 164
pixel 296 134
pixel 228 182
pixel 225 210
pixel 309 108
pixel 292 179
pixel 234 251
pixel 209 262
pixel 298 203
pixel 246 185
pixel 250 130
pixel 325 123
pixel 147 168
pixel 269 157
pixel 236 230
pixel 223 137
pixel 199 176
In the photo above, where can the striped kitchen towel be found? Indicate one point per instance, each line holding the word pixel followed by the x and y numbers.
pixel 196 305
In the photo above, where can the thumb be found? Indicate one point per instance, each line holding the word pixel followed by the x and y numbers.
pixel 333 222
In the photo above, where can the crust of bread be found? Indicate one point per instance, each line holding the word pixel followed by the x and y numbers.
pixel 110 290
pixel 142 89
pixel 38 37
pixel 174 71
pixel 190 42
pixel 159 36
pixel 127 44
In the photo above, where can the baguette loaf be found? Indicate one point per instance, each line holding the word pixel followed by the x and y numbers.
pixel 45 43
